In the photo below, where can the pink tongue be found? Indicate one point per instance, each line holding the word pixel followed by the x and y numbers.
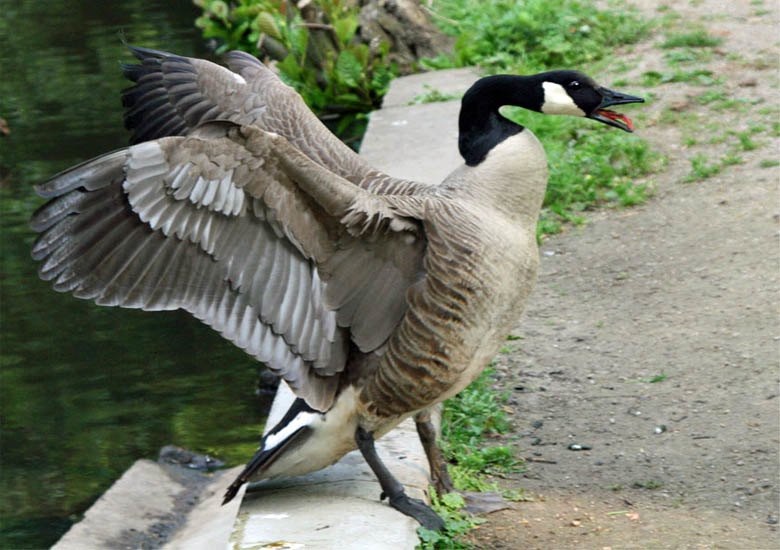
pixel 617 116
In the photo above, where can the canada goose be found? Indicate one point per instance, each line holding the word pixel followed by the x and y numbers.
pixel 373 297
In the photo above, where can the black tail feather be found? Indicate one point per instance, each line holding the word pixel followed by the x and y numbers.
pixel 264 458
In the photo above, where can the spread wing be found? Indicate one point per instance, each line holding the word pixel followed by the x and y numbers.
pixel 173 95
pixel 286 259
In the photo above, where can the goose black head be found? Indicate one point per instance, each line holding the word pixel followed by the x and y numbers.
pixel 482 127
pixel 574 93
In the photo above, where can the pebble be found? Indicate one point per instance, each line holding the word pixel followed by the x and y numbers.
pixel 578 447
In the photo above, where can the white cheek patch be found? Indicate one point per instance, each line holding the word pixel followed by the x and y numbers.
pixel 558 102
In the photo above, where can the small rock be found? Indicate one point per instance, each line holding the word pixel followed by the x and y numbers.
pixel 171 454
pixel 578 447
pixel 748 83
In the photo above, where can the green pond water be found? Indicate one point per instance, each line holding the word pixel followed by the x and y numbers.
pixel 85 391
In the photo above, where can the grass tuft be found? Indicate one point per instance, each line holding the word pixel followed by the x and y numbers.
pixel 702 168
pixel 698 38
pixel 433 95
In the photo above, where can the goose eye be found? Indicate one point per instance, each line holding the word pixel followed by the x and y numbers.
pixel 574 84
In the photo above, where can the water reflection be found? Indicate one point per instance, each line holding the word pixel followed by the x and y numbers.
pixel 85 391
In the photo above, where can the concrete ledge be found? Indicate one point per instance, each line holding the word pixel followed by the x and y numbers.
pixel 152 504
pixel 406 90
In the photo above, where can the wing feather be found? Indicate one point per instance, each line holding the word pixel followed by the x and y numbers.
pixel 244 232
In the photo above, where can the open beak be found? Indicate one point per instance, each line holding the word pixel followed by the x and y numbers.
pixel 610 98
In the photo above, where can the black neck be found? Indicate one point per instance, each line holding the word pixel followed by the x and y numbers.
pixel 481 126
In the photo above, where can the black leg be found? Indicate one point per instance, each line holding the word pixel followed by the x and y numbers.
pixel 440 477
pixel 392 488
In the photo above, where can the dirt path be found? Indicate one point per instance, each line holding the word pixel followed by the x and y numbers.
pixel 653 337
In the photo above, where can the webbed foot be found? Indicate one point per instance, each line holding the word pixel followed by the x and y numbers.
pixel 417 509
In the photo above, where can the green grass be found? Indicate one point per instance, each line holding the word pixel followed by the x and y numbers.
pixel 650 484
pixel 731 159
pixel 681 56
pixel 702 77
pixel 655 379
pixel 535 35
pixel 711 96
pixel 746 141
pixel 769 163
pixel 698 38
pixel 702 168
pixel 468 419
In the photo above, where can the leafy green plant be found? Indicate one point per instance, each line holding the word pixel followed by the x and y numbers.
pixel 340 78
pixel 456 524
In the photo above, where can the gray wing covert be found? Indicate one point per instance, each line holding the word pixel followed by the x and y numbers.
pixel 174 95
